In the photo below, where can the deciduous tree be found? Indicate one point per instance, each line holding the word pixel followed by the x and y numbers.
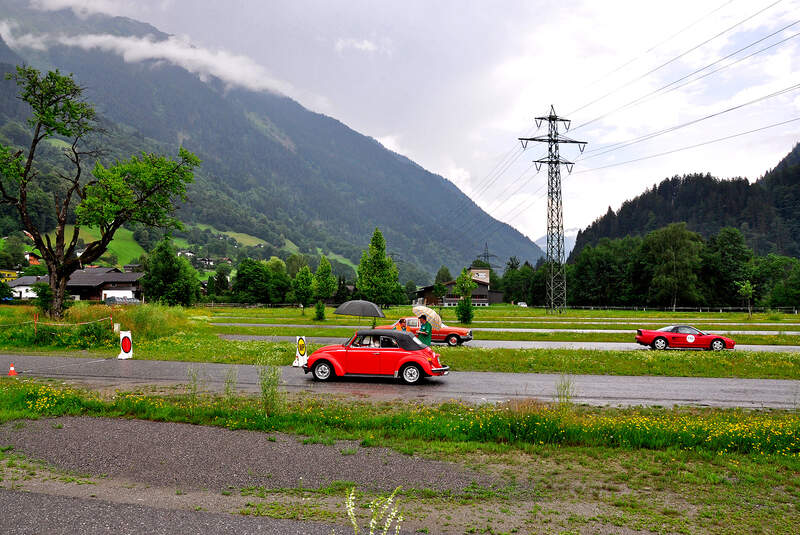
pixel 142 189
pixel 303 286
pixel 169 278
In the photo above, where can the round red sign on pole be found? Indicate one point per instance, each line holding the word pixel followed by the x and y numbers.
pixel 126 344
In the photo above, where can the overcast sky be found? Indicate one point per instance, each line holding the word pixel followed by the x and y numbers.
pixel 453 84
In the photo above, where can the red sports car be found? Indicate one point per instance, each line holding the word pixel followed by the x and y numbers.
pixel 682 336
pixel 452 336
pixel 376 352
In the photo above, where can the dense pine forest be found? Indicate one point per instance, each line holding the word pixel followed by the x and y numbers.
pixel 766 212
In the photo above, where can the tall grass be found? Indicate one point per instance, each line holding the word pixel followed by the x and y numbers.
pixel 151 321
pixel 707 430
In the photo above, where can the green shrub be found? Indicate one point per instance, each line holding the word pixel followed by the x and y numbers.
pixel 464 311
pixel 319 311
pixel 44 296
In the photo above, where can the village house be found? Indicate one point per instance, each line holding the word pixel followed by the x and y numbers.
pixel 483 295
pixel 7 275
pixel 89 284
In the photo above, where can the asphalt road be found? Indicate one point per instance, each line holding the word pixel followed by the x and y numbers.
pixel 508 344
pixel 490 329
pixel 477 387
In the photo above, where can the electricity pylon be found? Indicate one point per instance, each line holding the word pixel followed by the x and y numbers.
pixel 556 279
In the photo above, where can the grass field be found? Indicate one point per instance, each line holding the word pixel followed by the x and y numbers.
pixel 123 245
pixel 189 335
pixel 565 469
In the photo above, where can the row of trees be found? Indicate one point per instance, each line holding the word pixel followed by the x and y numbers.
pixel 171 279
pixel 669 267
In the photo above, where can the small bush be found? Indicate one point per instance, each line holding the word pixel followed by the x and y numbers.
pixel 44 296
pixel 319 311
pixel 464 311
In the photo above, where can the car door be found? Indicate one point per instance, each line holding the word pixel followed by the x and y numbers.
pixel 363 355
pixel 694 338
pixel 685 336
pixel 438 335
pixel 390 355
pixel 676 338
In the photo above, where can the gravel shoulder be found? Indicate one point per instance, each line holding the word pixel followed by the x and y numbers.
pixel 102 473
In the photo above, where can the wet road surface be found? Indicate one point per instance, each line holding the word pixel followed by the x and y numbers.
pixel 475 387
pixel 488 329
pixel 508 344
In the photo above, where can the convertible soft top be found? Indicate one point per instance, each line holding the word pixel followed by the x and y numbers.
pixel 404 339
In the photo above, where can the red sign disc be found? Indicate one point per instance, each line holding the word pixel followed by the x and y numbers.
pixel 126 345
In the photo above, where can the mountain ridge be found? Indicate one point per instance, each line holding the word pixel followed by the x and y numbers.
pixel 272 168
pixel 766 211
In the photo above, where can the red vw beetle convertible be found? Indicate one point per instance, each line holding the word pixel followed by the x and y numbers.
pixel 376 352
pixel 682 336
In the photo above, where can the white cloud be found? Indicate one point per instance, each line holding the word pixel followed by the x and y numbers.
pixel 232 69
pixel 82 8
pixel 361 45
pixel 22 41
pixel 391 142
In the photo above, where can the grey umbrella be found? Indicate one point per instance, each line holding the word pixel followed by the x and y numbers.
pixel 360 308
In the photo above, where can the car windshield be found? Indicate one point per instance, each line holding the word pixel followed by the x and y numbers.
pixel 668 328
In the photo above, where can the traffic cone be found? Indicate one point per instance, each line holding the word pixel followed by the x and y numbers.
pixel 11 370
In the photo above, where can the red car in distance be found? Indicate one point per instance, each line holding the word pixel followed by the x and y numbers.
pixel 452 336
pixel 682 336
pixel 376 352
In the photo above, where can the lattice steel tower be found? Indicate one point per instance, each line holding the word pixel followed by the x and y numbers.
pixel 556 279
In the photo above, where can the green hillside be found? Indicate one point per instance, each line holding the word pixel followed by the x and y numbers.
pixel 123 246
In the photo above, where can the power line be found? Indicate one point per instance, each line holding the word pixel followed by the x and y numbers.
pixel 520 209
pixel 692 49
pixel 622 144
pixel 690 146
pixel 614 71
pixel 661 90
pixel 477 224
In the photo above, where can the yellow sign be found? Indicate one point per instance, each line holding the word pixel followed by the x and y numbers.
pixel 300 357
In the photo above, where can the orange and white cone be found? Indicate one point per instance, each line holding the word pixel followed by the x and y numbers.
pixel 11 370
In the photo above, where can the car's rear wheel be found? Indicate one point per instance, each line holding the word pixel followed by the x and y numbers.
pixel 323 371
pixel 660 343
pixel 452 340
pixel 411 374
pixel 717 345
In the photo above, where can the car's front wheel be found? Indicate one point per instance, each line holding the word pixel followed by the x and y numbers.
pixel 323 371
pixel 411 374
pixel 660 343
pixel 717 345
pixel 452 340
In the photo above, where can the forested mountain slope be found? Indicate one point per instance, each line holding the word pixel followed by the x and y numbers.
pixel 271 168
pixel 767 211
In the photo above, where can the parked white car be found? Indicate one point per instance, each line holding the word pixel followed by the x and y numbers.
pixel 522 304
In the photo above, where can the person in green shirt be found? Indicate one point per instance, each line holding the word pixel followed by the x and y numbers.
pixel 424 332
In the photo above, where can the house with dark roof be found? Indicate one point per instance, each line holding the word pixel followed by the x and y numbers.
pixel 482 295
pixel 100 283
pixel 22 288
pixel 89 284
